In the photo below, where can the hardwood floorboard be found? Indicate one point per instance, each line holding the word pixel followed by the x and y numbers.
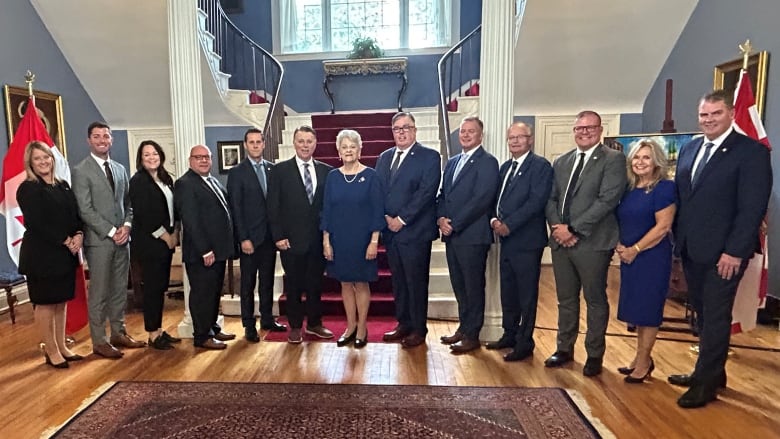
pixel 36 397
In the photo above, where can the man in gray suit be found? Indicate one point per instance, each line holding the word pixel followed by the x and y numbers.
pixel 101 187
pixel 589 182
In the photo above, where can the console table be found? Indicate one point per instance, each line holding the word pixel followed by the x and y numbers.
pixel 375 66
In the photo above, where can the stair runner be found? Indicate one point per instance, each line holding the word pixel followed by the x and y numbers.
pixel 374 129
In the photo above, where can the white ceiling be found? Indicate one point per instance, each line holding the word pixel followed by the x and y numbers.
pixel 570 55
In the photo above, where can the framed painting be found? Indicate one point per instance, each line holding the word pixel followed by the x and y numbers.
pixel 671 143
pixel 229 154
pixel 727 74
pixel 49 106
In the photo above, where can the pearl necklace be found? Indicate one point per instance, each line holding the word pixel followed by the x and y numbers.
pixel 353 177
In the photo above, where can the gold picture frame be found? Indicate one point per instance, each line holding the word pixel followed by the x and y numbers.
pixel 49 106
pixel 727 74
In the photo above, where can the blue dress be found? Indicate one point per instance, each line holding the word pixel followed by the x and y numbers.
pixel 644 283
pixel 353 208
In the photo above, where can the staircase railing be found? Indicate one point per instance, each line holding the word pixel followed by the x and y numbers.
pixel 251 68
pixel 461 64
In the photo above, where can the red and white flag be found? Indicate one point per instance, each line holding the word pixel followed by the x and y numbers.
pixel 752 290
pixel 31 128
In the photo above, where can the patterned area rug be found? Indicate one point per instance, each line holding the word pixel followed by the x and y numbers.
pixel 254 410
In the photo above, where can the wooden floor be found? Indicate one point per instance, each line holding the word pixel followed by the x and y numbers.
pixel 34 397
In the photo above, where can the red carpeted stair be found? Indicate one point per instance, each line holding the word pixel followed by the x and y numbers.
pixel 374 129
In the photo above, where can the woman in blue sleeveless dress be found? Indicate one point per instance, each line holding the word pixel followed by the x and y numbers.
pixel 645 216
pixel 352 217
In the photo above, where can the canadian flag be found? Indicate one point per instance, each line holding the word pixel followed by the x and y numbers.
pixel 31 128
pixel 752 290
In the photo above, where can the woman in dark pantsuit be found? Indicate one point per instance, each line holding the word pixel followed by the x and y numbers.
pixel 50 247
pixel 154 235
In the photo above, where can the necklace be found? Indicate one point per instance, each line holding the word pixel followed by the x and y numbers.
pixel 354 176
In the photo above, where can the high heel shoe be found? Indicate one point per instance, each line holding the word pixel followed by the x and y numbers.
pixel 632 380
pixel 361 342
pixel 63 365
pixel 74 357
pixel 625 370
pixel 346 339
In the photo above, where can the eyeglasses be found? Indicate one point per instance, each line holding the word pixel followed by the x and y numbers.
pixel 518 137
pixel 586 128
pixel 200 157
pixel 405 128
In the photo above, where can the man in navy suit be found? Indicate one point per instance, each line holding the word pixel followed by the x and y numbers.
pixel 723 185
pixel 587 186
pixel 247 188
pixel 207 244
pixel 526 181
pixel 464 208
pixel 410 174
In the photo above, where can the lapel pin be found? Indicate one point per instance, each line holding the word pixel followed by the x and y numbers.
pixel 724 149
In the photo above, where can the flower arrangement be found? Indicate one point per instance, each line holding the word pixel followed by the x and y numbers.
pixel 364 48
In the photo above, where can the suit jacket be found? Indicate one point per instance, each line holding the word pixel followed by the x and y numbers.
pixel 411 193
pixel 596 195
pixel 523 202
pixel 150 212
pixel 290 214
pixel 50 217
pixel 722 214
pixel 248 204
pixel 99 207
pixel 205 222
pixel 469 200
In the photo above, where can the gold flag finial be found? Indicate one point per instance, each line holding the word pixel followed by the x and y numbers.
pixel 746 48
pixel 29 78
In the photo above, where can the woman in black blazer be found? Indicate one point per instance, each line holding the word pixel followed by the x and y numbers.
pixel 154 235
pixel 50 247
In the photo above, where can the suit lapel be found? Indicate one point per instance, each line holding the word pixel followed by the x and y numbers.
pixel 716 157
pixel 523 169
pixel 598 154
pixel 468 165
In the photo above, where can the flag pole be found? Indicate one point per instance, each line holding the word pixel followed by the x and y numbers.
pixel 746 48
pixel 29 78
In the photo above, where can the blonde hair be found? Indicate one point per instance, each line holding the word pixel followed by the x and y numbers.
pixel 28 151
pixel 661 169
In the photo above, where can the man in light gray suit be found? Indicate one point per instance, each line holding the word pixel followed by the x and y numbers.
pixel 101 187
pixel 589 182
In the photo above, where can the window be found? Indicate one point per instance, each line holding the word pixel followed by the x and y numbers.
pixel 332 25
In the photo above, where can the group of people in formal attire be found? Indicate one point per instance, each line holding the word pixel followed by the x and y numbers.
pixel 593 200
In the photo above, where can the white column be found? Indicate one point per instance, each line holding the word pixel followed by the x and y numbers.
pixel 186 102
pixel 496 111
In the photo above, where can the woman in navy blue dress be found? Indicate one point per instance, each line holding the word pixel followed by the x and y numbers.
pixel 352 217
pixel 645 216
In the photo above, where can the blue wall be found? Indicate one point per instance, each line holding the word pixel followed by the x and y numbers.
pixel 26 44
pixel 711 37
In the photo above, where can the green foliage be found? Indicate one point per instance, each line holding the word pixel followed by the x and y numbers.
pixel 364 48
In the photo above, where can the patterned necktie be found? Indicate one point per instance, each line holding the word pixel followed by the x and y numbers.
pixel 218 192
pixel 260 171
pixel 509 178
pixel 570 190
pixel 307 183
pixel 109 175
pixel 459 167
pixel 702 163
pixel 396 163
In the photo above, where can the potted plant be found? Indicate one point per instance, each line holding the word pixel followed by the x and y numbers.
pixel 365 47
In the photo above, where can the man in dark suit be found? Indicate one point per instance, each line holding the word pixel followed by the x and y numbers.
pixel 207 244
pixel 102 189
pixel 294 206
pixel 723 185
pixel 588 184
pixel 526 181
pixel 464 208
pixel 247 188
pixel 410 175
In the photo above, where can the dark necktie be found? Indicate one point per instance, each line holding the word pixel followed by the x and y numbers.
pixel 396 163
pixel 570 190
pixel 109 175
pixel 702 163
pixel 509 178
pixel 307 183
pixel 260 171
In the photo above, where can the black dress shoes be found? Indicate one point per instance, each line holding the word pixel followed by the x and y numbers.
pixel 250 334
pixel 558 359
pixel 502 343
pixel 466 344
pixel 413 340
pixel 346 339
pixel 169 338
pixel 697 396
pixel 630 379
pixel 592 367
pixel 74 357
pixel 624 370
pixel 160 343
pixel 361 342
pixel 452 339
pixel 518 355
pixel 686 380
pixel 274 327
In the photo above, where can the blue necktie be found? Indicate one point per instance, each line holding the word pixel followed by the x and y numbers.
pixel 260 171
pixel 459 167
pixel 307 183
